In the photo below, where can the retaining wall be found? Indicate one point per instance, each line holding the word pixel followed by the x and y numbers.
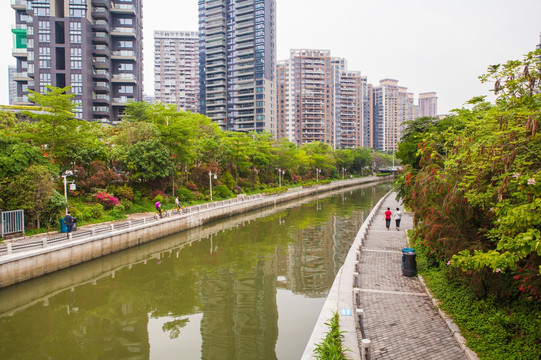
pixel 15 268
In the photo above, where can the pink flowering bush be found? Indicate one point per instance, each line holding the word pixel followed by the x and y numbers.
pixel 108 201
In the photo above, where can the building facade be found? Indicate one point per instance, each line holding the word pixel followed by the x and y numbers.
pixel 319 99
pixel 12 84
pixel 176 69
pixel 392 107
pixel 428 104
pixel 94 46
pixel 237 57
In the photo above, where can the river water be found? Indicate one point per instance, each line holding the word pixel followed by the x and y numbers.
pixel 248 287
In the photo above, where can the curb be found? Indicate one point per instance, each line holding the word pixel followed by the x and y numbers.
pixel 470 354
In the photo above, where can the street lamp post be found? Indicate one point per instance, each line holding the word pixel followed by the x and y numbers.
pixel 281 173
pixel 343 170
pixel 66 174
pixel 318 171
pixel 210 179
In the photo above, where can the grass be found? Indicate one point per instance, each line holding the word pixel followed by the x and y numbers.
pixel 331 346
pixel 493 328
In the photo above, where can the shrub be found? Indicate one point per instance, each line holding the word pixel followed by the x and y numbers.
pixel 126 203
pixel 158 198
pixel 118 212
pixel 222 191
pixel 108 201
pixel 191 186
pixel 185 194
pixel 228 180
pixel 124 192
pixel 237 189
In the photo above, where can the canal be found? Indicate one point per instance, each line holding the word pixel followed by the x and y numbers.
pixel 248 287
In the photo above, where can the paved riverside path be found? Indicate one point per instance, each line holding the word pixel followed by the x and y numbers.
pixel 399 317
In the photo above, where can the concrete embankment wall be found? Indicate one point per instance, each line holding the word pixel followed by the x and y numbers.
pixel 15 268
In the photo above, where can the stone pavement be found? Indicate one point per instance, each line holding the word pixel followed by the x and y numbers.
pixel 399 317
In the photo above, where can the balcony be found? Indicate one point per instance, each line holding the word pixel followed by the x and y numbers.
pixel 18 4
pixel 121 101
pixel 124 55
pixel 104 3
pixel 104 74
pixel 21 100
pixel 123 9
pixel 101 98
pixel 101 86
pixel 100 25
pixel 100 13
pixel 130 78
pixel 100 37
pixel 124 31
pixel 21 76
pixel 19 52
pixel 101 62
pixel 100 110
pixel 100 49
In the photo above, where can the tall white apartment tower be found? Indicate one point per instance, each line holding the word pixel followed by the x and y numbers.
pixel 428 104
pixel 237 57
pixel 176 69
pixel 393 106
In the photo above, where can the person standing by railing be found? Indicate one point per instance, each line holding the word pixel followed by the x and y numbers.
pixel 68 220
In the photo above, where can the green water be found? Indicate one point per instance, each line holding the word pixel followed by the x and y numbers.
pixel 249 287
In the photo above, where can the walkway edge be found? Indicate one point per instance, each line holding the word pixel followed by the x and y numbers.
pixel 341 298
pixel 470 354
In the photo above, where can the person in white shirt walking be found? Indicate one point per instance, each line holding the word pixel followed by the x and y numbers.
pixel 397 218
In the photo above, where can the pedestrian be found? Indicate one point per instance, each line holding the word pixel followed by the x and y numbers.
pixel 388 214
pixel 397 218
pixel 68 220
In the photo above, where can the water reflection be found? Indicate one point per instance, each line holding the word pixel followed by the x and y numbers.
pixel 235 289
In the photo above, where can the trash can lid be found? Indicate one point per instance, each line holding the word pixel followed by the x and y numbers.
pixel 408 250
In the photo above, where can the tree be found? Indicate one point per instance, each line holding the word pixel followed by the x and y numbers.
pixel 55 118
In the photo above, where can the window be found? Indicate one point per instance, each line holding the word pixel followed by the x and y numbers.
pixel 44 79
pixel 125 89
pixel 76 58
pixel 76 32
pixel 45 58
pixel 125 44
pixel 125 67
pixel 125 21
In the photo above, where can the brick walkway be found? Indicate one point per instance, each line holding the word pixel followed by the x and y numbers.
pixel 399 317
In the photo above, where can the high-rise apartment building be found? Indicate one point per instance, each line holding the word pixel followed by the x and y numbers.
pixel 319 99
pixel 428 104
pixel 237 58
pixel 12 84
pixel 305 95
pixel 176 69
pixel 368 113
pixel 94 46
pixel 393 106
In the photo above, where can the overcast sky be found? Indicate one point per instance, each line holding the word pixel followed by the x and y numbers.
pixel 428 45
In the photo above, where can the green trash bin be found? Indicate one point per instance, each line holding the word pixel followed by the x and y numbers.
pixel 63 227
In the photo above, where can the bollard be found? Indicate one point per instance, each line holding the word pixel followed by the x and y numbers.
pixel 144 220
pixel 355 279
pixel 360 314
pixel 70 236
pixel 129 223
pixel 365 349
pixel 93 232
pixel 357 296
pixel 112 227
pixel 44 242
pixel 10 248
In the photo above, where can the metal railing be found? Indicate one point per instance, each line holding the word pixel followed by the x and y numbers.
pixel 12 222
pixel 45 241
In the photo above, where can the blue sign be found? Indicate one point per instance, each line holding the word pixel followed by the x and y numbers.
pixel 345 312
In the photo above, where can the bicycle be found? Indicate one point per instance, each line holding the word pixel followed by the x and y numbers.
pixel 159 214
pixel 179 210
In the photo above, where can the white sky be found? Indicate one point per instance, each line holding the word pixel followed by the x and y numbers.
pixel 428 45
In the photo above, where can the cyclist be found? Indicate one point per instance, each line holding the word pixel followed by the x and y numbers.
pixel 177 203
pixel 158 208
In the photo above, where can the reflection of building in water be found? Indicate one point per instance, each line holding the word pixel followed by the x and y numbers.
pixel 317 255
pixel 240 318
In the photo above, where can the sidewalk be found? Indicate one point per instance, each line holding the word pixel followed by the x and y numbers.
pixel 399 317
